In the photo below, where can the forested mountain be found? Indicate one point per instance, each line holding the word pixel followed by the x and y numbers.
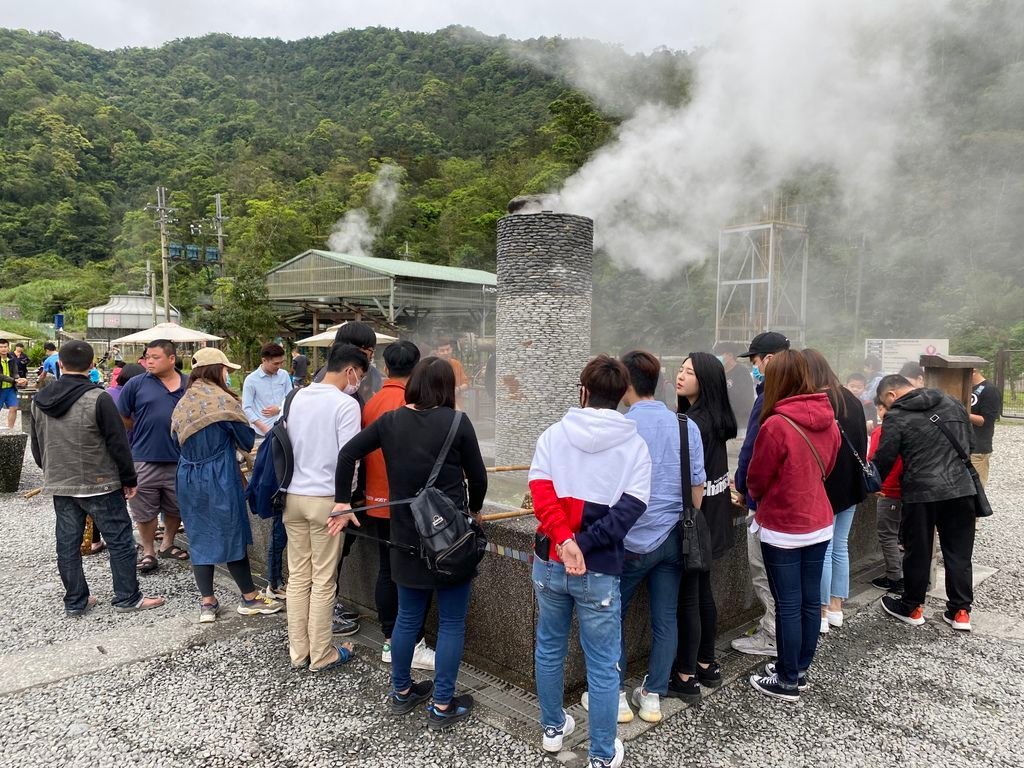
pixel 289 132
pixel 293 133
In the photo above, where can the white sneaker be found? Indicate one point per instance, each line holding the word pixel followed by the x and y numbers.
pixel 835 618
pixel 648 703
pixel 615 762
pixel 824 626
pixel 758 644
pixel 281 593
pixel 625 713
pixel 422 656
pixel 385 653
pixel 553 736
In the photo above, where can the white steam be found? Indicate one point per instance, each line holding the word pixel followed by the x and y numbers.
pixel 790 86
pixel 355 232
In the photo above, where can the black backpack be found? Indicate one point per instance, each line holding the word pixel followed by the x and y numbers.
pixel 272 470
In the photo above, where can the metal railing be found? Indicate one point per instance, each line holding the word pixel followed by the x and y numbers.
pixel 1010 381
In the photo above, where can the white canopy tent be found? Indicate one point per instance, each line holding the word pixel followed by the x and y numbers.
pixel 170 331
pixel 326 338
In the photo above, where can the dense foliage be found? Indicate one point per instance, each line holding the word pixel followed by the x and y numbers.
pixel 292 133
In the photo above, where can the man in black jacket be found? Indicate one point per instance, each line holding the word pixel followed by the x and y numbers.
pixel 938 492
pixel 80 443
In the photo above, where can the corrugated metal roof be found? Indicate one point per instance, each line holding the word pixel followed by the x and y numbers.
pixel 410 269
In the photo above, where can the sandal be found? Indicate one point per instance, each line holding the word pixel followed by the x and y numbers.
pixel 144 604
pixel 147 564
pixel 96 548
pixel 173 553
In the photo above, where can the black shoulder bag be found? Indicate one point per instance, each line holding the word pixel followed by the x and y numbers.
pixel 694 534
pixel 871 480
pixel 981 506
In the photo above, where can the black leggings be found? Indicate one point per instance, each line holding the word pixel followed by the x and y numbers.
pixel 696 619
pixel 239 570
pixel 385 593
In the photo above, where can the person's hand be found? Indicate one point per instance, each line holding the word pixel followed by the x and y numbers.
pixel 271 410
pixel 261 427
pixel 21 383
pixel 338 523
pixel 572 558
pixel 129 493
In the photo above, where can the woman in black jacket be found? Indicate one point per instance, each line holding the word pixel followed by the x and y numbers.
pixel 703 395
pixel 411 439
pixel 845 486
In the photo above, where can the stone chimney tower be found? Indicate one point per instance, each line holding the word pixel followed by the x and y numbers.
pixel 545 288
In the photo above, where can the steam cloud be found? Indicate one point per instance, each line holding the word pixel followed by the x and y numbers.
pixel 355 232
pixel 791 86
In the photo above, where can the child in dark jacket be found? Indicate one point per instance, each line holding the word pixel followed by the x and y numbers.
pixel 889 515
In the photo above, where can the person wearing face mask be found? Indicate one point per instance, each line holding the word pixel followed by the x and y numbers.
pixel 321 419
pixel 762 643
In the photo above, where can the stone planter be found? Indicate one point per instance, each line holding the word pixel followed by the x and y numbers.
pixel 12 454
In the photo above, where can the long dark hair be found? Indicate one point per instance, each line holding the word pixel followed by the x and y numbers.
pixel 825 380
pixel 713 396
pixel 211 374
pixel 787 374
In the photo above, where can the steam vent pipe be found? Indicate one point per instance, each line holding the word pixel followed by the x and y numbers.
pixel 545 289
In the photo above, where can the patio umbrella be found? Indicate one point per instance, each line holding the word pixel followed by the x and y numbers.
pixel 169 331
pixel 326 338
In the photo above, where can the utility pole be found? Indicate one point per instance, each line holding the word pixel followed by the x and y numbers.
pixel 151 286
pixel 163 218
pixel 219 218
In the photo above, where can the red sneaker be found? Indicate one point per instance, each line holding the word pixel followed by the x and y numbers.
pixel 895 607
pixel 960 620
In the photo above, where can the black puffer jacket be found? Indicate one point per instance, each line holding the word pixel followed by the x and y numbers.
pixel 845 484
pixel 932 470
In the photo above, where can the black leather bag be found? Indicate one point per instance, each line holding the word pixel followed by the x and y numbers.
pixel 452 544
pixel 694 533
pixel 981 506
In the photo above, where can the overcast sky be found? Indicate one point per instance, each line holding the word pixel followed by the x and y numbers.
pixel 640 26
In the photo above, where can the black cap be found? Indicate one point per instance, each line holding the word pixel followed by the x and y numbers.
pixel 767 343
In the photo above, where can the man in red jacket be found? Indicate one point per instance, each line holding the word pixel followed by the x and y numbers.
pixel 590 480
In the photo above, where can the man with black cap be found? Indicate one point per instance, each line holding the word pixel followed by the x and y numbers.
pixel 762 642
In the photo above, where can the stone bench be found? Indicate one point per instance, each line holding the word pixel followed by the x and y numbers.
pixel 502 620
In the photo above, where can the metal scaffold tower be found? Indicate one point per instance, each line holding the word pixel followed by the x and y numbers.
pixel 762 274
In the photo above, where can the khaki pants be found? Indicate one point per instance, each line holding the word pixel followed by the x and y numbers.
pixel 312 563
pixel 980 462
pixel 759 579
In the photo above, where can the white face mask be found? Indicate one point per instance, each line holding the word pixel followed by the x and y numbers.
pixel 351 389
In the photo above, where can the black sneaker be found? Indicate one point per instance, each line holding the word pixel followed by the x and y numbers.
pixel 459 708
pixel 418 693
pixel 344 627
pixel 770 685
pixel 884 582
pixel 710 677
pixel 344 614
pixel 801 679
pixel 894 607
pixel 687 690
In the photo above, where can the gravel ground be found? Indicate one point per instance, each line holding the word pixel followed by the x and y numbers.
pixel 882 692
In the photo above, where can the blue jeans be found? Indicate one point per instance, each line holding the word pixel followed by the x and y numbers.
pixel 794 576
pixel 835 573
pixel 275 551
pixel 110 514
pixel 662 570
pixel 452 605
pixel 595 598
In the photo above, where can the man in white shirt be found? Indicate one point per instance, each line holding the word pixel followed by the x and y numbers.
pixel 322 418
